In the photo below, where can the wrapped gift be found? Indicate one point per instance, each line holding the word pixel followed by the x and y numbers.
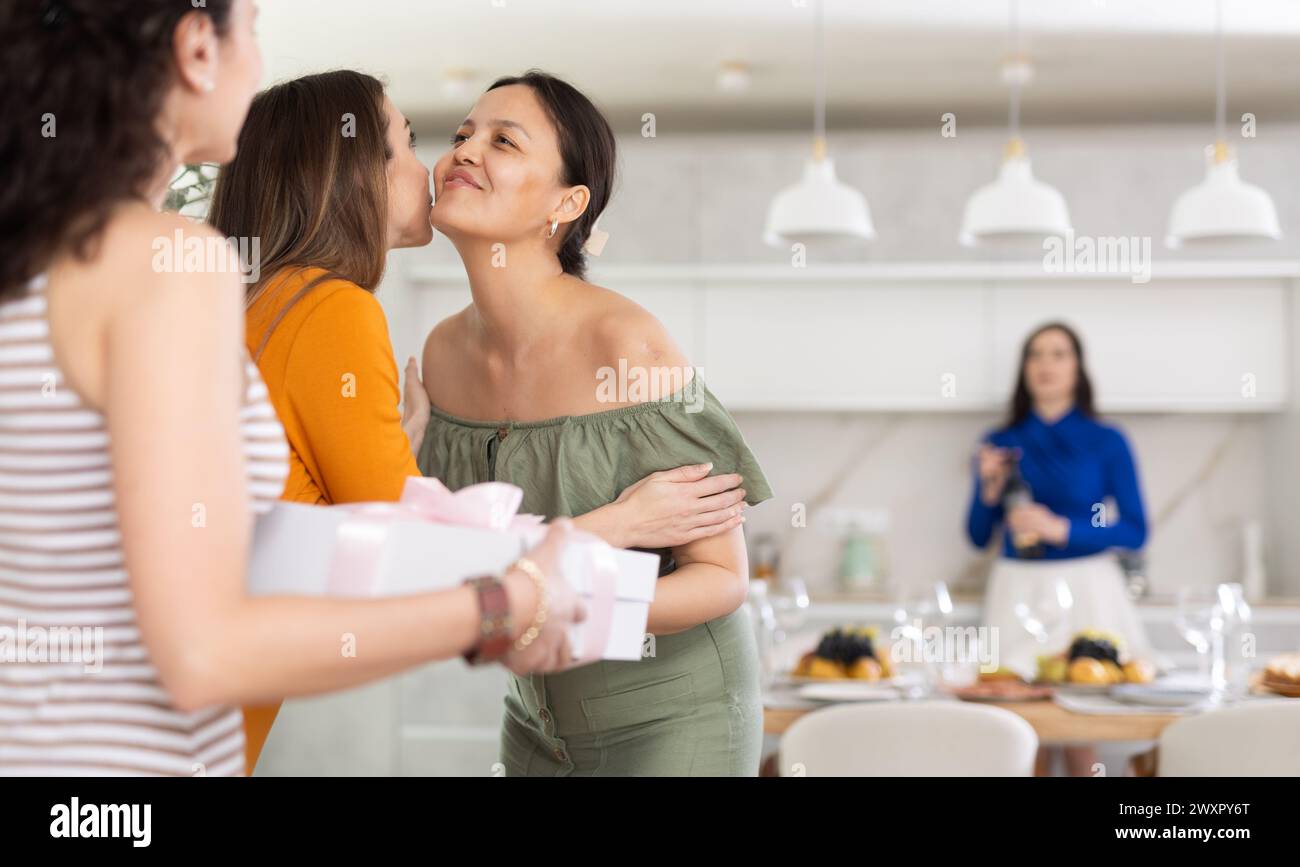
pixel 434 539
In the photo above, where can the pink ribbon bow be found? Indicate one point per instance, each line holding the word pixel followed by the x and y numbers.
pixel 354 569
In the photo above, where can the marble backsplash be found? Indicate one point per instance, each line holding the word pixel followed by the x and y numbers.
pixel 1204 477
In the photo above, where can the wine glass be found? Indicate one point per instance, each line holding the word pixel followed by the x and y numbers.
pixel 1044 608
pixel 917 611
pixel 763 620
pixel 1199 619
pixel 1236 621
pixel 790 602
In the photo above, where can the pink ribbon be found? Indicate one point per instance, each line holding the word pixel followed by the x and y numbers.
pixel 490 505
pixel 356 564
pixel 358 547
pixel 600 597
pixel 357 561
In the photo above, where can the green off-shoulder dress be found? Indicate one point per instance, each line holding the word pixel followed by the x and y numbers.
pixel 691 706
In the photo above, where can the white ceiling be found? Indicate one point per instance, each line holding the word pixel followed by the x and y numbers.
pixel 889 61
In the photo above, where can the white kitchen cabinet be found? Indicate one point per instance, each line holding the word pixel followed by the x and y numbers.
pixel 915 346
pixel 1199 337
pixel 1220 347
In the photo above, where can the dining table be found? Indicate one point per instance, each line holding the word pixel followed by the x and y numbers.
pixel 1055 725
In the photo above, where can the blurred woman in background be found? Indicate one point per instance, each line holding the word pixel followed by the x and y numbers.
pixel 1064 487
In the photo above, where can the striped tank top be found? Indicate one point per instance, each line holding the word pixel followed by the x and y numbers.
pixel 78 692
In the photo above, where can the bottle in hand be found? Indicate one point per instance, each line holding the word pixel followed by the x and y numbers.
pixel 1017 493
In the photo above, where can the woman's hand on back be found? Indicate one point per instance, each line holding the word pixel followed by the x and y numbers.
pixel 679 506
pixel 415 405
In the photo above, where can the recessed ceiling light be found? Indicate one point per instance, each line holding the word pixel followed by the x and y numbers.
pixel 735 77
pixel 1017 70
pixel 456 83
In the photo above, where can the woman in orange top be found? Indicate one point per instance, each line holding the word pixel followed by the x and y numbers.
pixel 327 200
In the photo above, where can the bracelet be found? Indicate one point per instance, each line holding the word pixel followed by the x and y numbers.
pixel 495 624
pixel 531 569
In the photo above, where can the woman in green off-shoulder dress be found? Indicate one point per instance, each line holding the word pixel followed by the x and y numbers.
pixel 517 385
pixel 691 706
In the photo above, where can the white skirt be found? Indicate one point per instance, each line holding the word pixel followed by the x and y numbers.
pixel 1096 585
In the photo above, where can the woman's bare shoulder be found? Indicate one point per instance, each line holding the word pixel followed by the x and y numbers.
pixel 449 335
pixel 142 257
pixel 624 330
pixel 447 356
pixel 134 279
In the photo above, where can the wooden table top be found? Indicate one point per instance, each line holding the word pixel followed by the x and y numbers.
pixel 1053 723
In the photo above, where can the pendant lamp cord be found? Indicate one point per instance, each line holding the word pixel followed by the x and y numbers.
pixel 1220 77
pixel 819 103
pixel 1016 56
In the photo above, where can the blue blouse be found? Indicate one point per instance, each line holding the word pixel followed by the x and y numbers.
pixel 1073 466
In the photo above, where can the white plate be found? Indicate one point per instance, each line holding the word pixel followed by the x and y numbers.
pixel 796 679
pixel 1078 688
pixel 841 691
pixel 1156 695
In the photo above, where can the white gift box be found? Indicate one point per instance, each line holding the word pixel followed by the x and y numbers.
pixel 296 552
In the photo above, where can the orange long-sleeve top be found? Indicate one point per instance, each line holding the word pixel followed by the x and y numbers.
pixel 329 368
pixel 328 365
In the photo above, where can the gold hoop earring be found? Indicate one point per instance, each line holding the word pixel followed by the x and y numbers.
pixel 555 224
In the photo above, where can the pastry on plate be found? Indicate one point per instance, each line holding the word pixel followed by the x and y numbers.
pixel 1095 659
pixel 846 654
pixel 1282 674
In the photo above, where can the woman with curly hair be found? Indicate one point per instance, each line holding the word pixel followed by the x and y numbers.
pixel 136 439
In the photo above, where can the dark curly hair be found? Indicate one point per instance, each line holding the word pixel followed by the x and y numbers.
pixel 587 150
pixel 99 71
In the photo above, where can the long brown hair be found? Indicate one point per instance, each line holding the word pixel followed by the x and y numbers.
pixel 84 82
pixel 1022 402
pixel 311 179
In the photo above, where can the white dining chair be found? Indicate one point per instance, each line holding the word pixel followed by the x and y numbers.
pixel 1258 739
pixel 910 739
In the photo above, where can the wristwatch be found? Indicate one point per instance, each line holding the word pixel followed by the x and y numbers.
pixel 495 624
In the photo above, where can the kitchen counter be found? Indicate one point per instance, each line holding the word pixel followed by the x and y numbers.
pixel 1275 623
pixel 966 608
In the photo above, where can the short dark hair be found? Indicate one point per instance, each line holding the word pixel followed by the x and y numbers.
pixel 101 68
pixel 587 149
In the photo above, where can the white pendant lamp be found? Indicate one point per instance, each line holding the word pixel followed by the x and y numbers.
pixel 1222 207
pixel 1016 206
pixel 819 210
